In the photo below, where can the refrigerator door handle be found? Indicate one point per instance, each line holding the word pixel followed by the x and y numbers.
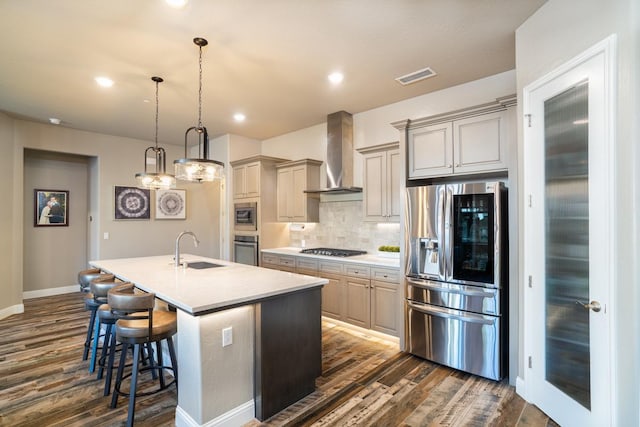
pixel 453 289
pixel 441 222
pixel 448 234
pixel 451 314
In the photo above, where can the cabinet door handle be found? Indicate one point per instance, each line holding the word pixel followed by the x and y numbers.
pixel 449 166
pixel 458 165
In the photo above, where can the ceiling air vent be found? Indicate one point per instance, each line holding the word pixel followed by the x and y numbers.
pixel 416 76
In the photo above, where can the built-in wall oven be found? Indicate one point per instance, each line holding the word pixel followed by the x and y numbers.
pixel 245 249
pixel 456 276
pixel 245 216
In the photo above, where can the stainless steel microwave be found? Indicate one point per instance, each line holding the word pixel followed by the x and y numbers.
pixel 245 216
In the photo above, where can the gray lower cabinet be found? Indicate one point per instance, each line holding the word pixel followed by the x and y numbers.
pixel 358 299
pixel 363 295
pixel 384 303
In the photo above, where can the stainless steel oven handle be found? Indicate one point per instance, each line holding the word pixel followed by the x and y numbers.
pixel 443 312
pixel 472 293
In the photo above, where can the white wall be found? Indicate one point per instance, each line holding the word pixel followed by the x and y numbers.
pixel 558 31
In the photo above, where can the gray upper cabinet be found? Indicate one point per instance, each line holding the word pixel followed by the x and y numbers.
pixel 246 180
pixel 473 140
pixel 381 169
pixel 254 175
pixel 293 179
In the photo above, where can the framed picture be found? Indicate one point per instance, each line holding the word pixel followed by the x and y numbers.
pixel 132 203
pixel 51 208
pixel 171 204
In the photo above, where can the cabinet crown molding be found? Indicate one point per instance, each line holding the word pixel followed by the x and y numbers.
pixel 299 162
pixel 258 158
pixel 379 147
pixel 500 104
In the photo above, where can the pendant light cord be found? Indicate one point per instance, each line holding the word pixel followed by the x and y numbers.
pixel 157 102
pixel 200 92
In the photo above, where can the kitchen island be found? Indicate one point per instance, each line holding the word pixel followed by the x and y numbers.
pixel 249 338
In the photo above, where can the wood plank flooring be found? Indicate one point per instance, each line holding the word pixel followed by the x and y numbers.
pixel 365 382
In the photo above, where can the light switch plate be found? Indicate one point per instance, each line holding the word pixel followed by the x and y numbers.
pixel 227 336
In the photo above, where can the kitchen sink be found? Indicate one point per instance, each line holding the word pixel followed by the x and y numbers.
pixel 200 265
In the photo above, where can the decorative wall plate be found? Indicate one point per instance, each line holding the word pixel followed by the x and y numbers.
pixel 171 204
pixel 132 203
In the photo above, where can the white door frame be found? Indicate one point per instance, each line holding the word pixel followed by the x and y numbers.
pixel 604 186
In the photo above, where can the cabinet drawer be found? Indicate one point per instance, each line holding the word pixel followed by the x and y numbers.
pixel 287 261
pixel 330 267
pixel 358 271
pixel 385 275
pixel 270 259
pixel 307 264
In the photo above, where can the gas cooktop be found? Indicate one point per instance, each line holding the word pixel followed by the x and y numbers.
pixel 332 252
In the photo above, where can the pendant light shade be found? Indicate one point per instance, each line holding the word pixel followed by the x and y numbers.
pixel 158 179
pixel 201 169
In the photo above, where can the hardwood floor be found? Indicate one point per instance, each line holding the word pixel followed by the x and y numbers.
pixel 365 381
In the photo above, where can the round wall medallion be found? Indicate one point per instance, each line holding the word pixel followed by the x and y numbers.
pixel 170 203
pixel 132 203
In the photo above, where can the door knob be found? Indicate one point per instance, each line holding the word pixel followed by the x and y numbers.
pixel 593 305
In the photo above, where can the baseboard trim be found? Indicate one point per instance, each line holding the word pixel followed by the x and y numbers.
pixel 51 291
pixel 521 388
pixel 362 331
pixel 10 311
pixel 238 416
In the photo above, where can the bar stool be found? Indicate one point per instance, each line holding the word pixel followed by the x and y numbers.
pixel 99 289
pixel 140 325
pixel 92 306
pixel 86 276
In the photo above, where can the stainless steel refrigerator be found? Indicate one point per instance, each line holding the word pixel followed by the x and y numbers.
pixel 456 275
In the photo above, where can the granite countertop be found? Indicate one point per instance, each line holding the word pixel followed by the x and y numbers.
pixel 368 259
pixel 201 291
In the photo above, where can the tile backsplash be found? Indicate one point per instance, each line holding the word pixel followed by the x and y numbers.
pixel 341 226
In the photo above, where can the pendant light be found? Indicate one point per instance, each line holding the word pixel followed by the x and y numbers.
pixel 201 169
pixel 158 179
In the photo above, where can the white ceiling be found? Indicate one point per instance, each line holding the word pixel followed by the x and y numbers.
pixel 266 58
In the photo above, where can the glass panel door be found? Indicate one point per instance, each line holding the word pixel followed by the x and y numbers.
pixel 473 237
pixel 567 242
pixel 569 245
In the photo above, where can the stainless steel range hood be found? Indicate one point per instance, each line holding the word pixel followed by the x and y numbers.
pixel 339 155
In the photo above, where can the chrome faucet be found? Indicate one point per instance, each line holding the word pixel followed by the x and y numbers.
pixel 177 254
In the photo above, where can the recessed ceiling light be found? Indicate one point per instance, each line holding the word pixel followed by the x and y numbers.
pixel 54 121
pixel 176 3
pixel 336 78
pixel 239 117
pixel 104 81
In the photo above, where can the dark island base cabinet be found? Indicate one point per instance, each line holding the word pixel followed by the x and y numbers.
pixel 288 350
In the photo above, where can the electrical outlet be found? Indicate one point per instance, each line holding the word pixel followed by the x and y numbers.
pixel 106 235
pixel 227 336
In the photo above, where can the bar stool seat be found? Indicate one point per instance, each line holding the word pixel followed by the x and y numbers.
pixel 86 276
pixel 138 326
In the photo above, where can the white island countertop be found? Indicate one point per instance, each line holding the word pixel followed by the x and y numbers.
pixel 201 291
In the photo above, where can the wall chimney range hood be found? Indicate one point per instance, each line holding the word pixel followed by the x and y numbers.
pixel 339 155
